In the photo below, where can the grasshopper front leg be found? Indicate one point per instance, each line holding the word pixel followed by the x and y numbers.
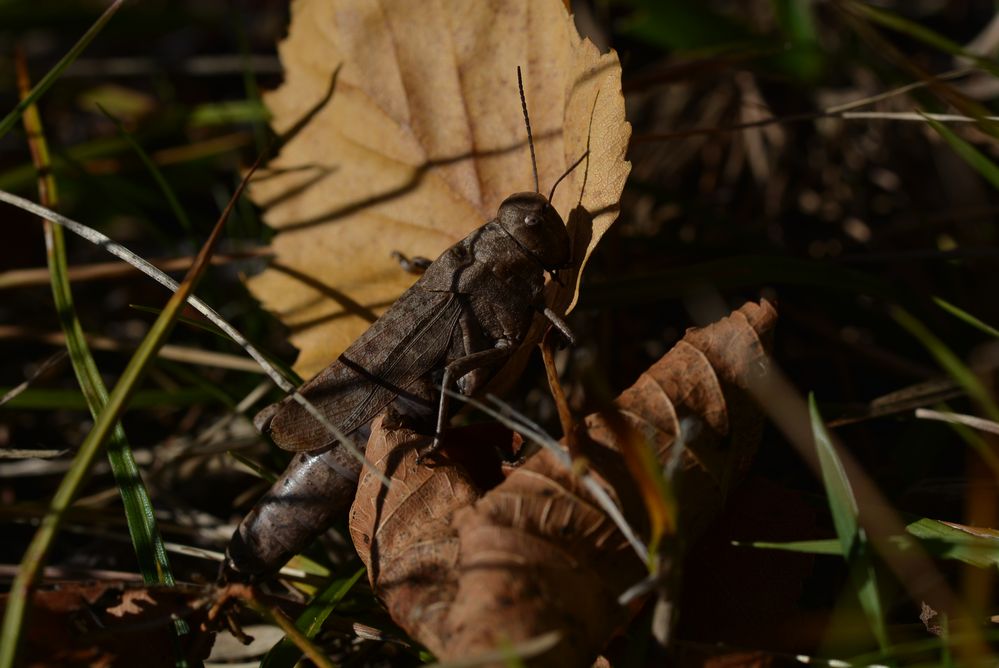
pixel 560 324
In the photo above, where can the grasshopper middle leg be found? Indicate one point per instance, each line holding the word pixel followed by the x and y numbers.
pixel 456 370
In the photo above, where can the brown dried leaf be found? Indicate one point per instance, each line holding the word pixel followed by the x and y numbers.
pixel 420 140
pixel 465 572
pixel 113 624
pixel 403 534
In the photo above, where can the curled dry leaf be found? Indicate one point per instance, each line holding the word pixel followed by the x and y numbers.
pixel 405 132
pixel 465 570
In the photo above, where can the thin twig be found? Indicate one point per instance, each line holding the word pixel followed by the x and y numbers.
pixel 23 453
pixel 558 394
pixel 981 424
pixel 17 278
pixel 900 90
pixel 838 111
pixel 169 351
pixel 244 405
pixel 915 116
pixel 64 573
pixel 116 249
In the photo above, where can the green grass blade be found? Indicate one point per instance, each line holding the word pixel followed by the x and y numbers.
pixel 10 120
pixel 227 113
pixel 37 399
pixel 154 171
pixel 950 362
pixel 949 541
pixel 842 503
pixel 34 557
pixel 254 467
pixel 189 322
pixel 23 176
pixel 803 57
pixel 309 566
pixel 923 34
pixel 285 654
pixel 961 314
pixel 971 155
pixel 938 539
pixel 150 553
pixel 185 375
pixel 829 546
pixel 686 25
pixel 863 19
pixel 852 536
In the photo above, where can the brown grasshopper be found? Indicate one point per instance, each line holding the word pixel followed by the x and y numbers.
pixel 455 327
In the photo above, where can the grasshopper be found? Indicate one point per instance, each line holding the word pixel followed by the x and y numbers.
pixel 456 326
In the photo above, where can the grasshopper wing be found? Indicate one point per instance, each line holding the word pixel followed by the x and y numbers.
pixel 407 343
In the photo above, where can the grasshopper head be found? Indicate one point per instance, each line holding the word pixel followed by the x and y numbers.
pixel 537 228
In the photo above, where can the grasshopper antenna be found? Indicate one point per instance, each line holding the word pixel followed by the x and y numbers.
pixel 567 173
pixel 527 122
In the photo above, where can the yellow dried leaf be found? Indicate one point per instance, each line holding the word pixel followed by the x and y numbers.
pixel 419 142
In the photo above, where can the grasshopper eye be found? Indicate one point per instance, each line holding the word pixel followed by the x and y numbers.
pixel 532 219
